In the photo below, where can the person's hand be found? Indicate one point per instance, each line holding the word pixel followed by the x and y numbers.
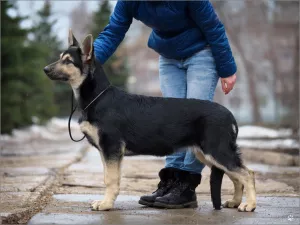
pixel 228 83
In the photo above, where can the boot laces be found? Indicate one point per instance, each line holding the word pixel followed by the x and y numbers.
pixel 164 185
pixel 178 187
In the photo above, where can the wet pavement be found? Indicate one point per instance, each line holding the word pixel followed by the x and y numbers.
pixel 82 182
pixel 74 209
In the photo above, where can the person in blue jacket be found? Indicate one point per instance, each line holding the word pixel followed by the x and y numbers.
pixel 194 53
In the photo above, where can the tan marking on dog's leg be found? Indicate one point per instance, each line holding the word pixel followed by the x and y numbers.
pixel 200 156
pixel 246 177
pixel 112 182
pixel 112 177
pixel 238 194
pixel 250 204
pixel 104 165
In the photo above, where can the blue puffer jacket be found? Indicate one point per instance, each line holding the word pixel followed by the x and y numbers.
pixel 180 29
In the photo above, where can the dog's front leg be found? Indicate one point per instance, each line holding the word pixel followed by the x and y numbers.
pixel 112 159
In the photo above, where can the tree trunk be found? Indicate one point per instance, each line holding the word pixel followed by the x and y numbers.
pixel 251 77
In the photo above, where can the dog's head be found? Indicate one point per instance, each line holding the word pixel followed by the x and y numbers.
pixel 73 63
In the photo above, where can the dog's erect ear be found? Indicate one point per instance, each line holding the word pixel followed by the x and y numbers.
pixel 72 40
pixel 87 48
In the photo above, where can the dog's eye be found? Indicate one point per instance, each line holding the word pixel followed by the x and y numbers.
pixel 68 61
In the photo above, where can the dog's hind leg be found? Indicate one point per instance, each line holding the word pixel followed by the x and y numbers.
pixel 112 158
pixel 216 178
pixel 241 176
pixel 245 177
pixel 238 194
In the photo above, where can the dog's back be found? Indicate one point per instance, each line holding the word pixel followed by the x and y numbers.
pixel 155 126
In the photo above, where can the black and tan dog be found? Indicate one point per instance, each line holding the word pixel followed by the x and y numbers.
pixel 113 120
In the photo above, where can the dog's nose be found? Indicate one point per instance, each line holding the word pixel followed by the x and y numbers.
pixel 47 69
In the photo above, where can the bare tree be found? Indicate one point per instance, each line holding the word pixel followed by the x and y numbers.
pixel 80 20
pixel 265 33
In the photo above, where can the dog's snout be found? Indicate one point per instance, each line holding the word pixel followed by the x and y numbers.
pixel 47 69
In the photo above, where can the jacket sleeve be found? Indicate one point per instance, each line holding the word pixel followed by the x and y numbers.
pixel 203 13
pixel 110 38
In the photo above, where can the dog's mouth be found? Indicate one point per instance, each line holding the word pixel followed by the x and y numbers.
pixel 57 77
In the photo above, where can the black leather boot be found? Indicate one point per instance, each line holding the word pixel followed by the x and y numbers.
pixel 167 179
pixel 182 194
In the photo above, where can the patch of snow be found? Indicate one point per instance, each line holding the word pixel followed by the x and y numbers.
pixel 57 123
pixel 262 132
pixel 55 129
pixel 5 137
pixel 269 144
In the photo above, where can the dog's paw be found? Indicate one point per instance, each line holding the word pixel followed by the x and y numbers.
pixel 246 207
pixel 231 204
pixel 98 205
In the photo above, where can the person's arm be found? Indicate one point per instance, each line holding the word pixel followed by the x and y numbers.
pixel 113 34
pixel 203 13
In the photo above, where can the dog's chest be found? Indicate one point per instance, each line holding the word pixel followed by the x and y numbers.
pixel 91 132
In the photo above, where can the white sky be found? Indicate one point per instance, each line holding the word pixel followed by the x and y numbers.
pixel 60 9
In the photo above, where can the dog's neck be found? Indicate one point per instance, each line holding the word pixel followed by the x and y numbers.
pixel 94 83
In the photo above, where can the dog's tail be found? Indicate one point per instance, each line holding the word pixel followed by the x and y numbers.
pixel 216 178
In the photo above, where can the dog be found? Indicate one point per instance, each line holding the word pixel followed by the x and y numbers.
pixel 114 120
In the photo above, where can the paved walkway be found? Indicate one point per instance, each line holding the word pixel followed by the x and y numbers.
pixel 74 209
pixel 48 179
pixel 31 162
pixel 82 182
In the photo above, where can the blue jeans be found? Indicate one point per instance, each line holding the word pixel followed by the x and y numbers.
pixel 194 77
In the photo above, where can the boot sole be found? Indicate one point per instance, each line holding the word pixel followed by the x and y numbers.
pixel 192 204
pixel 142 202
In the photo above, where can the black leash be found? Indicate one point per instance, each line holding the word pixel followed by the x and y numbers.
pixel 74 109
pixel 70 117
